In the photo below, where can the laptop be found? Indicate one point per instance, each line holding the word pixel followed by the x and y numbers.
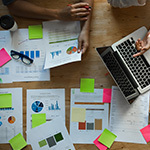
pixel 131 74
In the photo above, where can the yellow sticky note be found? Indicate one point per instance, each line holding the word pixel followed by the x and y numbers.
pixel 6 100
pixel 78 114
pixel 38 119
pixel 18 142
pixel 35 32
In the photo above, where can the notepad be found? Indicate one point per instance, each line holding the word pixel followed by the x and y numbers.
pixel 107 95
pixel 35 32
pixel 98 144
pixel 38 119
pixel 6 100
pixel 18 142
pixel 107 138
pixel 78 114
pixel 4 57
pixel 87 85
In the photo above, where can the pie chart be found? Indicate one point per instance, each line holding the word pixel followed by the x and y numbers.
pixel 11 119
pixel 71 50
pixel 37 106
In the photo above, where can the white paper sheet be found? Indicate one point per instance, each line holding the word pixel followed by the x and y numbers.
pixel 49 131
pixel 126 120
pixel 61 41
pixel 35 50
pixel 49 101
pixel 96 115
pixel 5 70
pixel 11 122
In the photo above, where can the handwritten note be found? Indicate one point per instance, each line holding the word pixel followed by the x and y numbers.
pixel 4 57
pixel 107 138
pixel 87 85
pixel 78 114
pixel 98 144
pixel 18 142
pixel 146 133
pixel 107 95
pixel 6 100
pixel 38 119
pixel 35 32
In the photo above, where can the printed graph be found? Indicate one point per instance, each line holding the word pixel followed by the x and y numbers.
pixel 54 106
pixel 31 54
pixel 51 141
pixel 37 106
pixel 4 71
pixel 71 50
pixel 56 53
pixel 0 121
pixel 11 119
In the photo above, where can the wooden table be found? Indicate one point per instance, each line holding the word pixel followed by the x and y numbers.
pixel 108 25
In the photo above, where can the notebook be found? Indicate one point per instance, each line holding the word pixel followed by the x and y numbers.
pixel 131 74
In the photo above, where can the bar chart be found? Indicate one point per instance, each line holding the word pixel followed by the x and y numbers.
pixel 32 54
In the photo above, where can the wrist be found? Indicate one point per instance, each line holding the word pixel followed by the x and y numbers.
pixel 51 14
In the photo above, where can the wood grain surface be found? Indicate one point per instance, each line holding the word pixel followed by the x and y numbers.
pixel 108 25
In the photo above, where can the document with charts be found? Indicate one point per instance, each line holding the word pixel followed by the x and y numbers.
pixel 96 116
pixel 6 70
pixel 54 136
pixel 126 120
pixel 35 50
pixel 61 41
pixel 49 101
pixel 11 122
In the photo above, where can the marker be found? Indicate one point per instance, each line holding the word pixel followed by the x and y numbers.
pixel 87 7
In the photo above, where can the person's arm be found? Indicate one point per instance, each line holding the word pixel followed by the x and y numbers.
pixel 83 40
pixel 24 8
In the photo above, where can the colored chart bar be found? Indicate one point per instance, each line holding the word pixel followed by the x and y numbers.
pixel 32 54
pixel 37 54
pixel 98 124
pixel 90 126
pixel 82 125
pixel 27 53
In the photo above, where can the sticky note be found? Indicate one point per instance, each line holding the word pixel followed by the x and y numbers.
pixel 38 119
pixel 1 81
pixel 98 144
pixel 4 57
pixel 78 114
pixel 35 32
pixel 106 95
pixel 146 133
pixel 87 85
pixel 107 138
pixel 18 142
pixel 6 100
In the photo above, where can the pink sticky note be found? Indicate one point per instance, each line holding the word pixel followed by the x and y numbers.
pixel 146 133
pixel 4 57
pixel 98 144
pixel 106 95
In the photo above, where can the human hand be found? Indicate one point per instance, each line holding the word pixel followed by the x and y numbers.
pixel 74 12
pixel 83 41
pixel 142 45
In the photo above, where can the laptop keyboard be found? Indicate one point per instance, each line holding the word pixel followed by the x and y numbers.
pixel 138 65
pixel 118 74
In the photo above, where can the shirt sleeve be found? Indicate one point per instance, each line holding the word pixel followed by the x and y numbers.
pixel 7 2
pixel 126 3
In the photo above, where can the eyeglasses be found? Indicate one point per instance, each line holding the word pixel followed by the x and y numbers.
pixel 25 59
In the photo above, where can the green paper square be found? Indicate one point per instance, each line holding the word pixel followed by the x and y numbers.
pixel 107 138
pixel 35 32
pixel 38 119
pixel 6 100
pixel 87 85
pixel 42 143
pixel 58 137
pixel 18 142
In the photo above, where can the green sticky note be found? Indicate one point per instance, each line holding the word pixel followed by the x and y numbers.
pixel 87 85
pixel 78 114
pixel 107 138
pixel 38 119
pixel 35 32
pixel 18 142
pixel 6 100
